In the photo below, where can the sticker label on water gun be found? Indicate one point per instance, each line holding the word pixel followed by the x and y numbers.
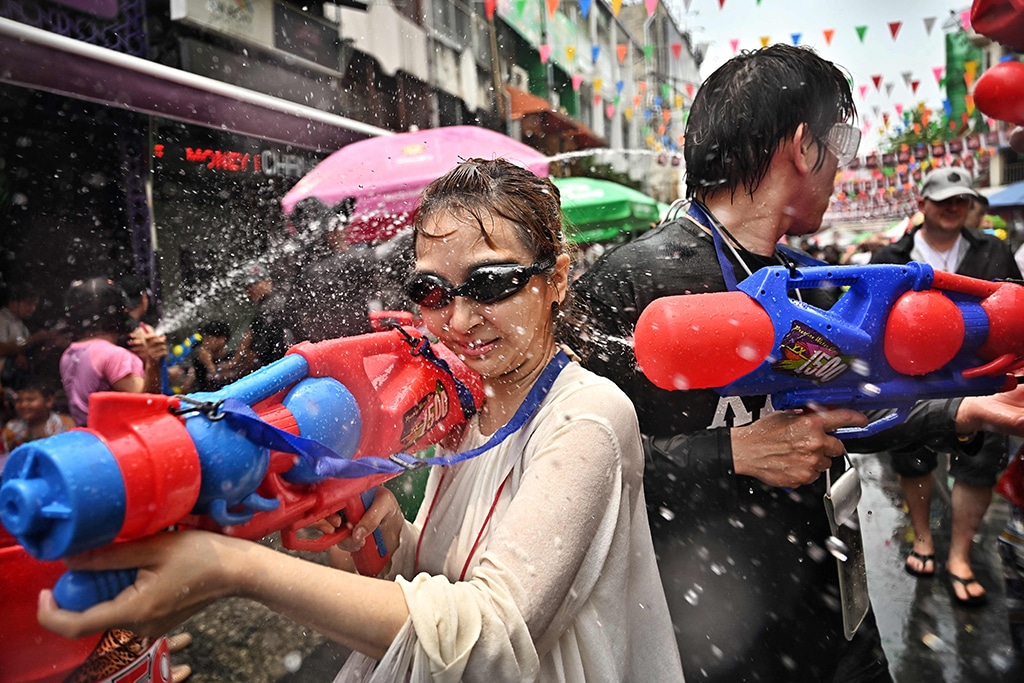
pixel 421 418
pixel 808 353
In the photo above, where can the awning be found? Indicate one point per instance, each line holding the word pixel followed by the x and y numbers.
pixel 525 104
pixel 39 59
pixel 1011 195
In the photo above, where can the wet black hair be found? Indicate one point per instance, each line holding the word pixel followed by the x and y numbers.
pixel 750 106
pixel 97 304
pixel 215 328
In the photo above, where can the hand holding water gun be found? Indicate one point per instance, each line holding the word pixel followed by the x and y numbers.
pixel 897 335
pixel 278 450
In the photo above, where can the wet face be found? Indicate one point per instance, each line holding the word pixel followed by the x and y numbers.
pixel 810 204
pixel 505 339
pixel 948 215
pixel 32 406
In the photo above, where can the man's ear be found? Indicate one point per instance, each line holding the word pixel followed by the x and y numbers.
pixel 805 149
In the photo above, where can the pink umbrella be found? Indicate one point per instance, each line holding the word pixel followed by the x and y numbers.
pixel 385 175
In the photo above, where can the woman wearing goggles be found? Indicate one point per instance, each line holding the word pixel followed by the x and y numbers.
pixel 532 560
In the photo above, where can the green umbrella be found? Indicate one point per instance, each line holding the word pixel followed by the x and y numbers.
pixel 600 210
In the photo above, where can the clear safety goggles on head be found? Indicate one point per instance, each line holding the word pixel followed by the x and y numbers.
pixel 843 140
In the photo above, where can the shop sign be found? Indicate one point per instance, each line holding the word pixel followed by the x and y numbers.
pixel 268 162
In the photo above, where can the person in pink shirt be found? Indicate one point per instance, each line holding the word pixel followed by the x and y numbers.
pixel 94 362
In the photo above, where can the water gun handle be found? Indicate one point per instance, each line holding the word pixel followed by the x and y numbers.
pixel 371 559
pixel 80 590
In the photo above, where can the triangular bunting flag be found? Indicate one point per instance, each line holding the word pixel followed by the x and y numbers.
pixel 735 45
pixel 679 101
pixel 795 38
pixel 552 6
pixel 609 110
pixel 721 4
pixel 619 85
pixel 861 32
pixel 677 50
pixel 689 90
pixel 636 100
pixel 628 114
pixel 877 80
pixel 907 75
pixel 597 100
pixel 621 50
pixel 570 53
pixel 642 85
pixel 765 40
pixel 875 110
pixel 863 90
pixel 585 7
pixel 520 6
pixel 913 86
pixel 545 53
pixel 489 7
pixel 666 115
pixel 829 34
pixel 648 52
pixel 577 81
pixel 937 72
pixel 595 52
pixel 651 5
pixel 969 101
pixel 899 109
pixel 894 28
pixel 888 89
pixel 598 84
pixel 666 91
pixel 616 7
pixel 929 22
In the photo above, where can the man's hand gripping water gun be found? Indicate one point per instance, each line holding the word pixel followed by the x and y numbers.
pixel 278 450
pixel 897 335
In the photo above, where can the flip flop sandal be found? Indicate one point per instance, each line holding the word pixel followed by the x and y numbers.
pixel 924 560
pixel 971 600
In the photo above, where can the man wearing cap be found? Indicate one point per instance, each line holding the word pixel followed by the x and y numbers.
pixel 943 242
pixel 269 334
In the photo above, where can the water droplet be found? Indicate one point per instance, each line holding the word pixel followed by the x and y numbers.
pixel 838 549
pixel 692 597
pixel 292 662
pixel 666 513
pixel 933 642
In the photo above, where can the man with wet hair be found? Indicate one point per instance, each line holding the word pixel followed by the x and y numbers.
pixel 734 488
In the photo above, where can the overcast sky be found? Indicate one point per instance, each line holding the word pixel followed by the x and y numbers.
pixel 913 50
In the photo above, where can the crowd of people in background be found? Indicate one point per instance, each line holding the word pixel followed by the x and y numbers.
pixel 713 466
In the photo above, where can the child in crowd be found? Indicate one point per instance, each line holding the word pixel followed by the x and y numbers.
pixel 36 417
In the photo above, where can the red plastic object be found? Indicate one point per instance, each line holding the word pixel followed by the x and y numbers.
pixel 685 342
pixel 923 332
pixel 999 92
pixel 1005 311
pixel 28 652
pixel 156 454
pixel 1000 20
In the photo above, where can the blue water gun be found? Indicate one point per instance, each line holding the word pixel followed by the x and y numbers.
pixel 898 334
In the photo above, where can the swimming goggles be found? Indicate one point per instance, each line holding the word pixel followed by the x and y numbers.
pixel 486 284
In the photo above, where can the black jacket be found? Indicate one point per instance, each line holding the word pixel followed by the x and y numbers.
pixel 752 589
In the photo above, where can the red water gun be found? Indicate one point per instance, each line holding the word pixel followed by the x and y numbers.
pixel 897 335
pixel 310 435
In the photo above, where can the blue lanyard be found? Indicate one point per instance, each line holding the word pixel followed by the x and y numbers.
pixel 326 463
pixel 702 215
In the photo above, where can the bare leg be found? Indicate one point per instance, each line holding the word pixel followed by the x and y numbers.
pixel 917 492
pixel 969 506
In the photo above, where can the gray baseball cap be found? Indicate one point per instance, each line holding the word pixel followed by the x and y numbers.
pixel 943 183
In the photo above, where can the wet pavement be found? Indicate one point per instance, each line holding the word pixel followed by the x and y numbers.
pixel 927 637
